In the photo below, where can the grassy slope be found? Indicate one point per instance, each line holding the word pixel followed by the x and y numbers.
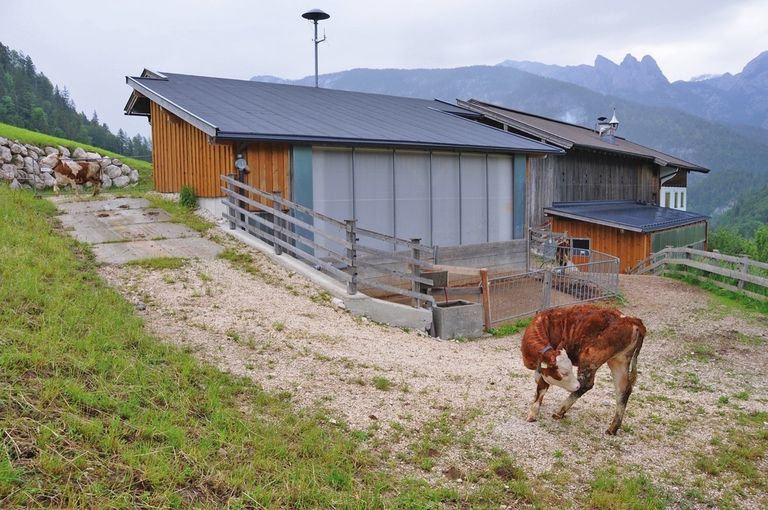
pixel 35 138
pixel 95 413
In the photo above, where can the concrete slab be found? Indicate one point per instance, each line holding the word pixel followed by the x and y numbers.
pixel 113 204
pixel 191 247
pixel 95 234
pixel 126 229
pixel 114 217
pixel 132 216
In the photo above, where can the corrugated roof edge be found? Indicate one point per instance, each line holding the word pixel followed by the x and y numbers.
pixel 177 110
pixel 694 217
pixel 534 131
pixel 360 142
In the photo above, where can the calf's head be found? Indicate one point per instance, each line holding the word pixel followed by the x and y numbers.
pixel 556 369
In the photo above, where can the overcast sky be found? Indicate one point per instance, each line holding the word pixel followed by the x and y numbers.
pixel 89 46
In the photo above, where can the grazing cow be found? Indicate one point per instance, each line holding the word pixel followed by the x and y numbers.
pixel 77 173
pixel 585 336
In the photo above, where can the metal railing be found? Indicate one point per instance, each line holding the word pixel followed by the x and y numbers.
pixel 341 249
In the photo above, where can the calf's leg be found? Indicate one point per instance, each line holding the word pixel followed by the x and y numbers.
pixel 541 388
pixel 623 380
pixel 586 376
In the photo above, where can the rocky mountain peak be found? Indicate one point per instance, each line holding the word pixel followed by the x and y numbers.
pixel 604 63
pixel 629 61
pixel 756 66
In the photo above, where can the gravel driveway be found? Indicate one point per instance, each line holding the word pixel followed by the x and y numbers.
pixel 284 333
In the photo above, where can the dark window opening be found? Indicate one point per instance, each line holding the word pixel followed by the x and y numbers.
pixel 580 247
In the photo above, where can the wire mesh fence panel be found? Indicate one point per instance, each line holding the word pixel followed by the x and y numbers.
pixel 516 296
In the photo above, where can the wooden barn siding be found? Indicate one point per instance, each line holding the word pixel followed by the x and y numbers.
pixel 269 168
pixel 582 175
pixel 181 155
pixel 630 247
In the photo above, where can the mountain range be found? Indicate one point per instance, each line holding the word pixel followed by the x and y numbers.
pixel 714 121
pixel 738 99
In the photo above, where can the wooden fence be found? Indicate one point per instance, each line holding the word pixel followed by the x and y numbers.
pixel 736 274
pixel 341 249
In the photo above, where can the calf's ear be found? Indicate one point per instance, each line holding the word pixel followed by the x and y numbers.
pixel 549 358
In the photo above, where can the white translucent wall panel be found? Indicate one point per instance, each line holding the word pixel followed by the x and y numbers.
pixel 374 195
pixel 412 211
pixel 500 198
pixel 474 217
pixel 332 192
pixel 445 199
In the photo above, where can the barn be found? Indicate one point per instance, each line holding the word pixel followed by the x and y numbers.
pixel 611 194
pixel 404 167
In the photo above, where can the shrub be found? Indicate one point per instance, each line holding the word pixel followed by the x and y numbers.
pixel 188 197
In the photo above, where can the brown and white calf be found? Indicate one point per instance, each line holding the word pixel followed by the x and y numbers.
pixel 77 173
pixel 583 336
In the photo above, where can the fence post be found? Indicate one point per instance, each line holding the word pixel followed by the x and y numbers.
pixel 744 270
pixel 231 200
pixel 352 256
pixel 546 290
pixel 486 296
pixel 415 271
pixel 276 223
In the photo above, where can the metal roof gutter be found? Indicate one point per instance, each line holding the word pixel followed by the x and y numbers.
pixel 361 142
pixel 177 110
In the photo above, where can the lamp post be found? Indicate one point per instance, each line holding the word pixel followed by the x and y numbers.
pixel 314 16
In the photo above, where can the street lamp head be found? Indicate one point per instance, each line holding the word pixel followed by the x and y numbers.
pixel 315 15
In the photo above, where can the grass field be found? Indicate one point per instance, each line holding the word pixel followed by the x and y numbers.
pixel 40 139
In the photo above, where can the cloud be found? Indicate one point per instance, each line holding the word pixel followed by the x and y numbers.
pixel 239 38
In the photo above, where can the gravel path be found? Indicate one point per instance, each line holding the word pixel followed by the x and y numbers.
pixel 282 332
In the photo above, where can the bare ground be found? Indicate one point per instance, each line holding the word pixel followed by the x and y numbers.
pixel 283 333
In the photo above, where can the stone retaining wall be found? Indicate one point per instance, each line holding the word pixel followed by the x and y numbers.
pixel 27 166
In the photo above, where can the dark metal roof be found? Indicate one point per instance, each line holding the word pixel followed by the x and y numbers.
pixel 228 109
pixel 626 214
pixel 566 135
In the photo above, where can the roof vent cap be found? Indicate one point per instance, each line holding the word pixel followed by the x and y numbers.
pixel 606 129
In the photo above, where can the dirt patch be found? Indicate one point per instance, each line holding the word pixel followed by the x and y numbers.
pixel 399 387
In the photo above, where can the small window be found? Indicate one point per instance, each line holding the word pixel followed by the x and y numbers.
pixel 667 200
pixel 675 199
pixel 580 247
pixel 682 200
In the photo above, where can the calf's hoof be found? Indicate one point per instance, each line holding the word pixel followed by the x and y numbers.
pixel 558 415
pixel 532 417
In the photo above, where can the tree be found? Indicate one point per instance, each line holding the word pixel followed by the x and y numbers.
pixel 761 243
pixel 39 120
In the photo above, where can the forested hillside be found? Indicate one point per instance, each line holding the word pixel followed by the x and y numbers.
pixel 28 99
